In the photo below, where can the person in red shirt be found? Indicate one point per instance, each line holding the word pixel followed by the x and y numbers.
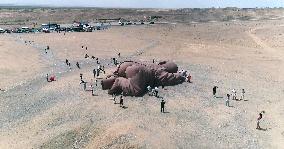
pixel 52 78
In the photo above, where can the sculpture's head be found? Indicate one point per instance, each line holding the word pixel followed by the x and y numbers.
pixel 170 67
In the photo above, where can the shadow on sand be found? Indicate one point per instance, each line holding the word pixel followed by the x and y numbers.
pixel 218 97
pixel 124 107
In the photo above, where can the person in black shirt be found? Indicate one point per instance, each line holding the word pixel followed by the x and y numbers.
pixel 258 120
pixel 215 90
pixel 81 76
pixel 78 65
pixel 47 77
pixel 67 62
pixel 121 101
pixel 163 106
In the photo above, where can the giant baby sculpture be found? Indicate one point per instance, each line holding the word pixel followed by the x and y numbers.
pixel 132 78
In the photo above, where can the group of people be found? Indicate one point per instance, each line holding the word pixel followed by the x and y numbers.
pixel 234 97
pixel 154 92
pixel 87 56
pixel 50 78
pixel 93 84
pixel 121 104
pixel 96 71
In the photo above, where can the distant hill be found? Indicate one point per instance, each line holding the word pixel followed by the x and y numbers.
pixel 18 15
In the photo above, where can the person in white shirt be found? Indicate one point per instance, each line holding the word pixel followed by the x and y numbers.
pixel 149 90
pixel 243 94
pixel 234 94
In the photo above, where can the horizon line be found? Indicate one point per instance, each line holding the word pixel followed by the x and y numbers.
pixel 54 6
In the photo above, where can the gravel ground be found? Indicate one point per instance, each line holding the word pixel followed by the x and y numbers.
pixel 38 114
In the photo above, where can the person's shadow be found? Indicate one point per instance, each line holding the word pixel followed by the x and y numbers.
pixel 160 97
pixel 124 107
pixel 166 112
pixel 263 129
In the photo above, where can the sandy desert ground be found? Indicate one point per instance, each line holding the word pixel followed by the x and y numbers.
pixel 240 54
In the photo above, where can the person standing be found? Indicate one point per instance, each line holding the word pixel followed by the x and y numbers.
pixel 85 85
pixel 47 77
pixel 86 55
pixel 97 59
pixel 114 97
pixel 258 120
pixel 93 89
pixel 234 94
pixel 114 61
pixel 121 101
pixel 156 91
pixel 227 100
pixel 215 90
pixel 98 71
pixel 78 65
pixel 118 54
pixel 149 90
pixel 103 69
pixel 81 77
pixel 94 72
pixel 163 106
pixel 189 78
pixel 67 62
pixel 243 94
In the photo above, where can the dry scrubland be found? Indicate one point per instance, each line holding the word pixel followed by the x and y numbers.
pixel 241 54
pixel 17 16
